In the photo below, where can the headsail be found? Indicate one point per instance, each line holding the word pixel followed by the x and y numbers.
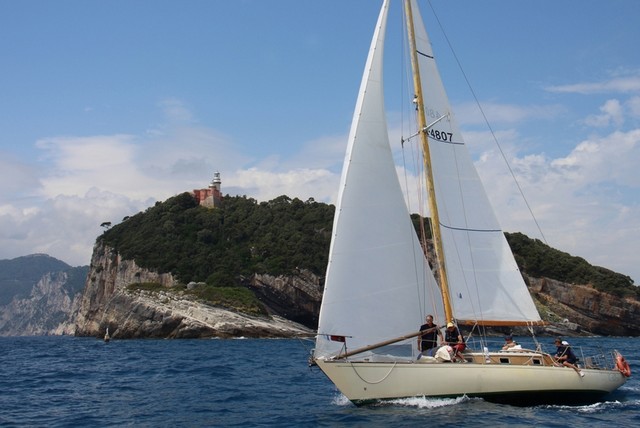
pixel 378 283
pixel 485 284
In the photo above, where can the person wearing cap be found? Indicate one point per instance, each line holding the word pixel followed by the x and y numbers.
pixel 509 343
pixel 565 355
pixel 453 338
pixel 428 340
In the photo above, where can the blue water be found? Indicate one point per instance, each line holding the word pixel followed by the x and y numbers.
pixel 66 381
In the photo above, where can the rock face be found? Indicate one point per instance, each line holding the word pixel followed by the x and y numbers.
pixel 45 311
pixel 136 314
pixel 56 304
pixel 296 298
pixel 107 302
pixel 588 309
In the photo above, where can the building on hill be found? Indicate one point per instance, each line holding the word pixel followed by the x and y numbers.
pixel 210 197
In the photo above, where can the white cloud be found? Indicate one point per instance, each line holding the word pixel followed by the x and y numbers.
pixel 17 179
pixel 63 226
pixel 607 159
pixel 320 184
pixel 585 202
pixel 324 152
pixel 77 164
pixel 612 114
pixel 616 84
pixel 497 113
pixel 633 107
pixel 57 206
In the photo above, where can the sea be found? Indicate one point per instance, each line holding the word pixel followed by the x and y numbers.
pixel 58 381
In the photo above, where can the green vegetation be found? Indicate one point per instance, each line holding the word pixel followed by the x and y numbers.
pixel 539 260
pixel 223 246
pixel 240 299
pixel 236 298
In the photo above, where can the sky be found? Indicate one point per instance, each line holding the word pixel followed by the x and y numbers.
pixel 108 107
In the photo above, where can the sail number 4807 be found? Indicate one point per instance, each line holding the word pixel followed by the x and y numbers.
pixel 442 136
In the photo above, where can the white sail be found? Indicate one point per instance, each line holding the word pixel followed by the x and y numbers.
pixel 484 281
pixel 378 284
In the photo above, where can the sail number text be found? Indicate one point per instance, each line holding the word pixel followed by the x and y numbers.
pixel 440 135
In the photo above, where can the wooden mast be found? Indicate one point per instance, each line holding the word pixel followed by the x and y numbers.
pixel 424 140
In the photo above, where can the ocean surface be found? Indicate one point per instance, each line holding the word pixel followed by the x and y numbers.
pixel 67 381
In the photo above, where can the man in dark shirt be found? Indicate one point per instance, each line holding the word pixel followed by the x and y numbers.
pixel 428 340
pixel 453 338
pixel 565 355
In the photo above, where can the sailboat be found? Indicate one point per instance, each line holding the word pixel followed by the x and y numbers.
pixel 379 283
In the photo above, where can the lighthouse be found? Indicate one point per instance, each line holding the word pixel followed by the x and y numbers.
pixel 211 197
pixel 216 182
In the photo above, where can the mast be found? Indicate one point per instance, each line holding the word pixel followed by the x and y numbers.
pixel 424 140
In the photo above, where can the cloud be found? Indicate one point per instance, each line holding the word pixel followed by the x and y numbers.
pixel 56 205
pixel 17 179
pixel 323 152
pixel 612 113
pixel 498 113
pixel 585 202
pixel 616 84
pixel 176 111
pixel 608 159
pixel 77 164
pixel 633 107
pixel 63 226
pixel 303 183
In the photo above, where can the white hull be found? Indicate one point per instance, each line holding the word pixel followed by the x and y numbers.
pixel 371 381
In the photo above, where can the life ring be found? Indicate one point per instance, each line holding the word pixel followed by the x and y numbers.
pixel 623 366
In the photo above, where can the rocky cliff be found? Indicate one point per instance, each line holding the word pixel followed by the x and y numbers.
pixel 46 310
pixel 107 302
pixel 584 310
pixel 295 297
pixel 572 309
pixel 55 305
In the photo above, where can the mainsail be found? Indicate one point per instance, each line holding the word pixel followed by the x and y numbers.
pixel 378 284
pixel 485 284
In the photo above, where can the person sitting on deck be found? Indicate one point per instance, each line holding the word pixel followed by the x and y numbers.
pixel 509 343
pixel 453 338
pixel 565 355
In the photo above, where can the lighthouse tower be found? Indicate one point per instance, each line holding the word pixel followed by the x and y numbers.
pixel 216 182
pixel 211 197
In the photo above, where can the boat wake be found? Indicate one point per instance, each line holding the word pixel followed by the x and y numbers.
pixel 341 400
pixel 428 403
pixel 596 408
pixel 415 402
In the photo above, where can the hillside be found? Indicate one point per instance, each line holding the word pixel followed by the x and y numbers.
pixel 18 276
pixel 220 246
pixel 223 246
pixel 38 292
pixel 537 259
pixel 249 268
pixel 255 270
